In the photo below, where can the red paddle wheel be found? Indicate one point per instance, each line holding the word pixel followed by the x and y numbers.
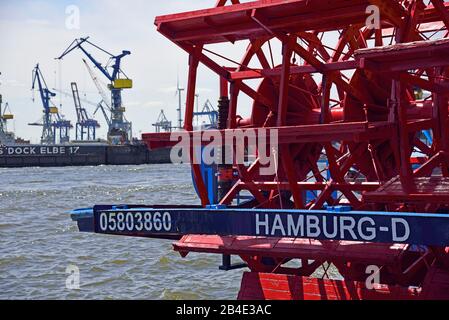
pixel 350 103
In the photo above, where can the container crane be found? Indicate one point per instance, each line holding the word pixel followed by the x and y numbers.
pixel 162 124
pixel 99 106
pixel 62 127
pixel 208 111
pixel 53 122
pixel 120 130
pixel 85 126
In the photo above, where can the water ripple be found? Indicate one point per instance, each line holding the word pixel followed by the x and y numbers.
pixel 38 241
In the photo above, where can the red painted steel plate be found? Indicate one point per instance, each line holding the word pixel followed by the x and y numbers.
pixel 263 286
pixel 405 56
pixel 232 23
pixel 426 189
pixel 292 248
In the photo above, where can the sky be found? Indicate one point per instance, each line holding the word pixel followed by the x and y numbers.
pixel 35 32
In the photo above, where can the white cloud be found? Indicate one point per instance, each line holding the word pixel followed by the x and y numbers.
pixel 14 83
pixel 204 90
pixel 147 104
pixel 171 89
pixel 38 22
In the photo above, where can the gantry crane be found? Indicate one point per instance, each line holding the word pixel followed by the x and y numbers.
pixel 85 126
pixel 99 106
pixel 120 130
pixel 53 122
pixel 163 124
pixel 210 112
pixel 62 128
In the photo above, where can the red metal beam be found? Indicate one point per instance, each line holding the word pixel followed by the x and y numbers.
pixel 349 131
pixel 234 22
pixel 428 190
pixel 315 186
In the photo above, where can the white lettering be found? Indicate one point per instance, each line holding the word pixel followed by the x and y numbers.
pixel 295 230
pixel 394 229
pixel 347 227
pixel 334 228
pixel 239 136
pixel 180 153
pixel 373 278
pixel 371 231
pixel 277 225
pixel 73 280
pixel 313 224
pixel 72 21
pixel 210 151
pixel 260 223
pixel 373 20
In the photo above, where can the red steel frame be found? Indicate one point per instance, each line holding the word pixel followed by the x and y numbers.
pixel 360 102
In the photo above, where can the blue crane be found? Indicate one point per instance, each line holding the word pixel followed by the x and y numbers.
pixel 210 112
pixel 52 122
pixel 99 106
pixel 86 127
pixel 120 129
pixel 162 124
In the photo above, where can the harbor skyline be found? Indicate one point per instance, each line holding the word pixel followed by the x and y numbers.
pixel 39 31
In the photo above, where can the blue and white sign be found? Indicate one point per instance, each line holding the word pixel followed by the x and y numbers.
pixel 384 227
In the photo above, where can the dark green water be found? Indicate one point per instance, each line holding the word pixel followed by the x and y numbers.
pixel 38 240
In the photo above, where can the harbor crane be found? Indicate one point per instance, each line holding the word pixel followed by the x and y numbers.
pixel 210 112
pixel 163 124
pixel 85 126
pixel 4 116
pixel 99 106
pixel 105 103
pixel 52 122
pixel 98 85
pixel 120 130
pixel 5 136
